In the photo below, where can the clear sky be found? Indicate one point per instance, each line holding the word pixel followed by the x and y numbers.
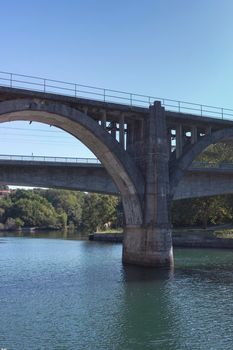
pixel 179 49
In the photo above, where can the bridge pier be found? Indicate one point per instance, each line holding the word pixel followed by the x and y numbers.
pixel 148 246
pixel 151 243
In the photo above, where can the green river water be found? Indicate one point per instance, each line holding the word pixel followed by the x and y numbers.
pixel 75 294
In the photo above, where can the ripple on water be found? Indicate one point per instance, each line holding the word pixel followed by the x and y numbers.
pixel 59 294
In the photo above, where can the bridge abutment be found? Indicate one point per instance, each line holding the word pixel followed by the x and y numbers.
pixel 151 243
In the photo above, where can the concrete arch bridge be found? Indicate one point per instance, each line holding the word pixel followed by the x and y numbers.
pixel 145 150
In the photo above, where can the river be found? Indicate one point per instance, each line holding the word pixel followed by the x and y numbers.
pixel 76 295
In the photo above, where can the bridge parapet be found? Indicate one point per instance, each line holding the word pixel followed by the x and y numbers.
pixel 45 85
pixel 123 114
pixel 51 159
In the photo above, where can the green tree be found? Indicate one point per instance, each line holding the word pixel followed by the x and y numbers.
pixel 202 211
pixel 98 210
pixel 221 152
pixel 68 202
pixel 31 208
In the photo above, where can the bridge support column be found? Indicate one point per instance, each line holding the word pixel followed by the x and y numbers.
pixel 151 243
pixel 103 119
pixel 122 130
pixel 194 135
pixel 179 140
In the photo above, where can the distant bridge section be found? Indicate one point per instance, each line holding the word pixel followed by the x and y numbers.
pixel 83 174
pixel 48 159
pixel 87 174
pixel 205 179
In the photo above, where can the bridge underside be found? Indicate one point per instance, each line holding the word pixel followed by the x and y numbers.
pixel 94 178
pixel 88 178
pixel 204 183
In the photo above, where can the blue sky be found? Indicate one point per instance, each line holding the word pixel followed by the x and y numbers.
pixel 170 48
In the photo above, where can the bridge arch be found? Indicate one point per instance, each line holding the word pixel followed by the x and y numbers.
pixel 114 158
pixel 178 168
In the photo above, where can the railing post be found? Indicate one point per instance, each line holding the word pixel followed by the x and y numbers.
pixel 201 110
pixel 131 100
pixel 179 106
pixel 75 90
pixel 44 85
pixel 104 95
pixel 222 112
pixel 11 80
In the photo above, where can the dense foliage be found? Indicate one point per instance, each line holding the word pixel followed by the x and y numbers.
pixel 202 211
pixel 217 154
pixel 58 208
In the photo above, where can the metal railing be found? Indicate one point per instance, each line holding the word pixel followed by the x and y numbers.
pixel 73 160
pixel 33 158
pixel 21 81
pixel 206 165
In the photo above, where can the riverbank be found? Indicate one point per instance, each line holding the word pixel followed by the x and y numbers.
pixel 215 237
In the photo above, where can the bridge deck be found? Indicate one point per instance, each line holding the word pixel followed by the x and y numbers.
pixel 114 110
pixel 115 102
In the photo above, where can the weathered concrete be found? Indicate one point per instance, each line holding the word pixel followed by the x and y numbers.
pixel 106 237
pixel 180 166
pixel 152 244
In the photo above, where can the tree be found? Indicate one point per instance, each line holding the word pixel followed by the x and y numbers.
pixel 98 210
pixel 202 211
pixel 68 202
pixel 32 209
pixel 221 152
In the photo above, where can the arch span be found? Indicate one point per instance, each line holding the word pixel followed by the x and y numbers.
pixel 180 166
pixel 115 159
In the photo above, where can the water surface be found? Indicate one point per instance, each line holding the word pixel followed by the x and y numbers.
pixel 67 294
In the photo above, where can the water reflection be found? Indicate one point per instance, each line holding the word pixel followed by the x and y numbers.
pixel 147 318
pixel 143 274
pixel 53 234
